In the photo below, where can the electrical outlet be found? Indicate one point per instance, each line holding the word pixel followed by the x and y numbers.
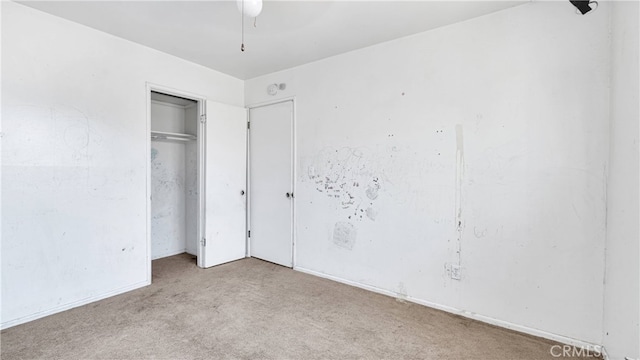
pixel 455 272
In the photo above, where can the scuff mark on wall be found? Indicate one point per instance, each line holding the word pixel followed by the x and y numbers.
pixel 344 235
pixel 402 294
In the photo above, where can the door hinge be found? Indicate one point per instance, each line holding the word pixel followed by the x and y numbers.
pixel 248 233
pixel 248 125
pixel 203 118
pixel 203 241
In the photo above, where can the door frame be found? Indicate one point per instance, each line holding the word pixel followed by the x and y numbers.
pixel 293 172
pixel 149 87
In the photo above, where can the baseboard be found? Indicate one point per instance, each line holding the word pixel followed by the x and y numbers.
pixel 169 253
pixel 467 314
pixel 41 314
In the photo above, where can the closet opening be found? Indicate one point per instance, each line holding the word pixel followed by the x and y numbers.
pixel 174 177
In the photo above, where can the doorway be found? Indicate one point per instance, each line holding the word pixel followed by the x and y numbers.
pixel 205 183
pixel 174 173
pixel 271 174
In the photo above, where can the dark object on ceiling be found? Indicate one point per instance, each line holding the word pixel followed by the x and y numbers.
pixel 582 5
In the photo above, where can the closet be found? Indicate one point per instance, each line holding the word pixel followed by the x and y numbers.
pixel 197 177
pixel 174 175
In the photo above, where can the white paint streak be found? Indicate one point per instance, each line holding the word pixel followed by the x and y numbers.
pixel 459 180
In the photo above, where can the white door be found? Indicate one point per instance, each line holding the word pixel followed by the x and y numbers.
pixel 225 166
pixel 271 182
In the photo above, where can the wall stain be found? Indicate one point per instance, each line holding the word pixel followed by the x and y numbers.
pixel 372 213
pixel 354 179
pixel 480 233
pixel 372 189
pixel 338 173
pixel 344 235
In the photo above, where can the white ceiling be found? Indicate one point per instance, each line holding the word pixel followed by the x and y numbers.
pixel 288 33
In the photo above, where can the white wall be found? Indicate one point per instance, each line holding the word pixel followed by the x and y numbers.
pixel 75 152
pixel 621 335
pixel 167 117
pixel 482 144
pixel 168 199
pixel 173 183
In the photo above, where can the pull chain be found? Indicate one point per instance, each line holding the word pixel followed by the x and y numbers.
pixel 242 15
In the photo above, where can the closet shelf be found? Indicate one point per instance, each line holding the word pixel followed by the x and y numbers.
pixel 161 135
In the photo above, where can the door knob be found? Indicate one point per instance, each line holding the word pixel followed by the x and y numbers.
pixel 241 192
pixel 288 195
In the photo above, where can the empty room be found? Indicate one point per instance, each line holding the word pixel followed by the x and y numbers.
pixel 255 179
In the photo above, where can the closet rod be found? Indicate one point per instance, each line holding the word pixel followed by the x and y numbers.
pixel 164 137
pixel 157 135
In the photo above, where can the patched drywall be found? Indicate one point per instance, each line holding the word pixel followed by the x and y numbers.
pixel 475 151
